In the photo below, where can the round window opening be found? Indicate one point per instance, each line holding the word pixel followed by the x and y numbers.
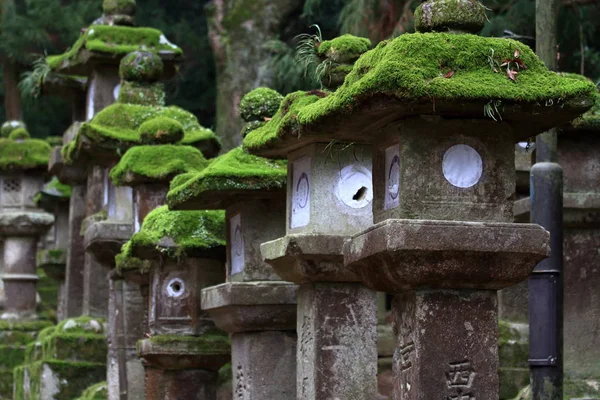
pixel 462 166
pixel 175 287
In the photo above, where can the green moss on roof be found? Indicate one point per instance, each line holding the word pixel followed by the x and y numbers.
pixel 22 155
pixel 113 40
pixel 177 233
pixel 19 134
pixel 56 188
pixel 343 49
pixel 117 127
pixel 157 163
pixel 259 104
pixel 285 120
pixel 413 68
pixel 236 170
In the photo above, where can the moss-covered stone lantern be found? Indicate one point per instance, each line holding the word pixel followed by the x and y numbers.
pixel 579 155
pixel 329 193
pixel 54 198
pixel 184 251
pixel 444 112
pixel 147 170
pixel 254 306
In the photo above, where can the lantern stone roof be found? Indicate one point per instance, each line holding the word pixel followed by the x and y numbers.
pixel 445 74
pixel 147 164
pixel 590 121
pixel 108 44
pixel 175 234
pixel 23 154
pixel 229 178
pixel 52 192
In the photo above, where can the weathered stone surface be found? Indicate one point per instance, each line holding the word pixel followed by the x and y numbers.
pixel 447 345
pixel 19 277
pixel 104 239
pixel 337 336
pixel 398 255
pixel 20 223
pixel 464 172
pixel 249 224
pixel 175 295
pixel 147 197
pixel 75 254
pixel 251 306
pixel 185 353
pixel 308 258
pixel 326 180
pixel 262 365
pixel 195 384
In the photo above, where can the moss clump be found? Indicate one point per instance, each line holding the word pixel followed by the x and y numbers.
pixel 146 94
pixel 161 131
pixel 118 7
pixel 141 66
pixel 125 262
pixel 344 49
pixel 450 15
pixel 156 163
pixel 250 126
pixel 54 140
pixel 116 128
pixel 177 233
pixel 234 171
pixel 112 40
pixel 412 67
pixel 19 134
pixel 259 104
pixel 10 126
pixel 98 391
pixel 23 155
pixel 284 122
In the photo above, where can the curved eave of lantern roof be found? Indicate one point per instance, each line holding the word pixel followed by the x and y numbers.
pixel 231 178
pixel 156 164
pixel 24 155
pixel 588 122
pixel 443 74
pixel 176 234
pixel 107 44
pixel 66 86
pixel 114 130
pixel 24 223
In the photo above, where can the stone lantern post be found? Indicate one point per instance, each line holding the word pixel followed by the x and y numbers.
pixel 254 306
pixel 54 198
pixel 329 192
pixel 578 152
pixel 184 250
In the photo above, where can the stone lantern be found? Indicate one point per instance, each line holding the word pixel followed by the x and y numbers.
pixel 255 307
pixel 54 198
pixel 329 193
pixel 445 111
pixel 183 351
pixel 578 155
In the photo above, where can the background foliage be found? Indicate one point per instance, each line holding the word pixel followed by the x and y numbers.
pixel 30 28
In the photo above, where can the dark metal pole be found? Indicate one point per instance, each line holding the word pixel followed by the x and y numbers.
pixel 546 281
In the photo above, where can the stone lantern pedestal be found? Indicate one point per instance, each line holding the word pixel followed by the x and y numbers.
pixel 185 250
pixel 253 306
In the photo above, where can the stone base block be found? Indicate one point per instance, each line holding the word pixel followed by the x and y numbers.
pixel 337 342
pixel 263 365
pixel 171 352
pixel 251 306
pixel 189 384
pixel 53 379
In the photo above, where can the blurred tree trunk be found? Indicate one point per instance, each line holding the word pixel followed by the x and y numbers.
pixel 12 94
pixel 238 30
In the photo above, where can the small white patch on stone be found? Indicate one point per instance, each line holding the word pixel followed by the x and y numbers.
pixel 462 166
pixel 116 91
pixel 175 287
pixel 70 324
pixel 91 32
pixel 355 186
pixel 237 244
pixel 95 325
pixel 523 145
pixel 163 40
pixel 14 124
pixel 408 386
pixel 468 326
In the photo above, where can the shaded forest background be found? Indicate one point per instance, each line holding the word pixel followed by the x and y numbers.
pixel 232 46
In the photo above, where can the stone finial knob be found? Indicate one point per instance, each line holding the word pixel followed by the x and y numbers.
pixel 119 7
pixel 259 104
pixel 161 130
pixel 9 126
pixel 141 66
pixel 459 16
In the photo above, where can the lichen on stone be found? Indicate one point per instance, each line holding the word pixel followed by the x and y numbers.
pixel 234 171
pixel 177 233
pixel 156 163
pixel 112 40
pixel 141 66
pixel 259 104
pixel 147 94
pixel 450 15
